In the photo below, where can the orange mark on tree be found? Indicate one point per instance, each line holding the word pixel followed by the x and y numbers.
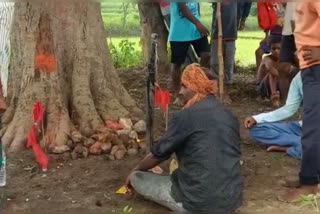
pixel 46 63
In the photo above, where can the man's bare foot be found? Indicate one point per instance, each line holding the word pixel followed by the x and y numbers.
pixel 277 149
pixel 226 99
pixel 293 184
pixel 294 195
pixel 156 170
pixel 275 99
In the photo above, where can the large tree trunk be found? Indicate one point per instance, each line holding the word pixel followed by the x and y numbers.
pixel 79 88
pixel 151 21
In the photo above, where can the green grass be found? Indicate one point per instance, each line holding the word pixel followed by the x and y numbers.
pixel 112 14
pixel 246 45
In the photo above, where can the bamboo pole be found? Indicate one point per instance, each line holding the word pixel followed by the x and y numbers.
pixel 220 51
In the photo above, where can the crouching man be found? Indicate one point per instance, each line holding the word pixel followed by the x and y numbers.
pixel 204 135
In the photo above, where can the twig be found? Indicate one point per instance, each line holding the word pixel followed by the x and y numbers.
pixel 106 196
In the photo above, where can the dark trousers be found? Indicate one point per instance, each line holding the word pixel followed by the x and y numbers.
pixel 310 166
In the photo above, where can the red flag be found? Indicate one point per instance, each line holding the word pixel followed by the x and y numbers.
pixel 162 98
pixel 41 156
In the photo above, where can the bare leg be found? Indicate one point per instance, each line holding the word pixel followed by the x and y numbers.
pixel 259 53
pixel 275 94
pixel 176 77
pixel 226 97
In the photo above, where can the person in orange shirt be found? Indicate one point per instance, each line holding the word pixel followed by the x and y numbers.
pixel 307 40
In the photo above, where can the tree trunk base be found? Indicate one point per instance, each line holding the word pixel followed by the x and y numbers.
pixel 60 57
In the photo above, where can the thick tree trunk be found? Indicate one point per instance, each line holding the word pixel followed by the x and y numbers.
pixel 60 57
pixel 151 21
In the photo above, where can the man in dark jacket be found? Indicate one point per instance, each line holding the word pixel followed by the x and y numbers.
pixel 204 135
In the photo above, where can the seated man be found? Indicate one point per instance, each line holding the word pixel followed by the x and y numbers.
pixel 204 135
pixel 284 137
pixel 267 76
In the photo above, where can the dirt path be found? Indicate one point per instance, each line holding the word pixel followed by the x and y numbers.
pixel 89 185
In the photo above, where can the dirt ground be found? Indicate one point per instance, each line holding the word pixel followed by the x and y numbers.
pixel 89 185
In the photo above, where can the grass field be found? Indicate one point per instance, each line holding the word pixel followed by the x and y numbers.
pixel 113 14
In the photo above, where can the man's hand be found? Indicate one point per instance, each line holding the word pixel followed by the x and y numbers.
pixel 128 184
pixel 249 122
pixel 242 26
pixel 311 54
pixel 202 29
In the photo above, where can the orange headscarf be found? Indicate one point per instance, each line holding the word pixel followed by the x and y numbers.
pixel 195 79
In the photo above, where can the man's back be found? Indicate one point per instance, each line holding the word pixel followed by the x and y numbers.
pixel 209 176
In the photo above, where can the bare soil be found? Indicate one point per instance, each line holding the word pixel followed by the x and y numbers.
pixel 89 185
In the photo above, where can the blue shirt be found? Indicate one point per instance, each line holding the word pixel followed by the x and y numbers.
pixel 181 29
pixel 293 103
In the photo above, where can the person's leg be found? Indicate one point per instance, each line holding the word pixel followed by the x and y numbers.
pixel 229 59
pixel 156 188
pixel 285 135
pixel 258 53
pixel 310 165
pixel 178 55
pixel 202 48
pixel 275 94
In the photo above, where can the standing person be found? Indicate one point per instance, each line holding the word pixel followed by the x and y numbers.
pixel 288 59
pixel 165 11
pixel 229 23
pixel 205 137
pixel 307 41
pixel 243 11
pixel 185 29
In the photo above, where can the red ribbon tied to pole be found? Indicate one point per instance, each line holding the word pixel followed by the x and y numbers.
pixel 161 98
pixel 40 155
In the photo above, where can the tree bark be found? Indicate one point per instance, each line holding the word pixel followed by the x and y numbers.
pixel 60 57
pixel 151 21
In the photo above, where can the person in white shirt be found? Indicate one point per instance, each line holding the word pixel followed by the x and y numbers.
pixel 278 136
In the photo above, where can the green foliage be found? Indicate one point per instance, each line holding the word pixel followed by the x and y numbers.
pixel 125 54
pixel 127 209
pixel 307 200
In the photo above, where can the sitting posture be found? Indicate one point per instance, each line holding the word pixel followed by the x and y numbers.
pixel 267 76
pixel 204 135
pixel 284 137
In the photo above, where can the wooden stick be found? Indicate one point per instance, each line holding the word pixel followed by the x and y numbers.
pixel 150 89
pixel 166 116
pixel 220 51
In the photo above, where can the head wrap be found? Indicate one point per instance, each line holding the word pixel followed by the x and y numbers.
pixel 195 79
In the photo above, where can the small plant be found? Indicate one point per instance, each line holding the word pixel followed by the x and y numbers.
pixel 125 55
pixel 310 200
pixel 127 209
